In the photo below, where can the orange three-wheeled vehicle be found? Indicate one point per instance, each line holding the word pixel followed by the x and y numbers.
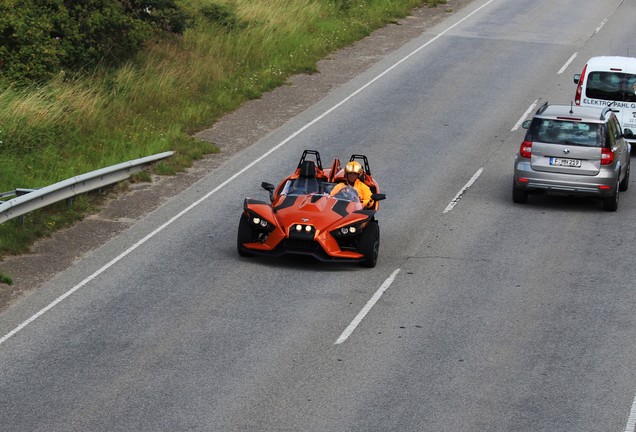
pixel 308 215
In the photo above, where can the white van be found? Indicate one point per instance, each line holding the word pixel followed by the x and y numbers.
pixel 610 81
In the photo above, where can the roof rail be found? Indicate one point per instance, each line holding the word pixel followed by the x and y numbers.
pixel 542 108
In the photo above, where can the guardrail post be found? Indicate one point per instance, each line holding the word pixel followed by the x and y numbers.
pixel 20 192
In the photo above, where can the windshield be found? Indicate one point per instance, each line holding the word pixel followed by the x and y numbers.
pixel 565 132
pixel 301 186
pixel 338 191
pixel 612 86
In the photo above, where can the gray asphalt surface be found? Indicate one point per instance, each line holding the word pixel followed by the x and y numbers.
pixel 502 317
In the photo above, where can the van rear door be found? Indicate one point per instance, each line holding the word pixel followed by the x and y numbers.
pixel 610 81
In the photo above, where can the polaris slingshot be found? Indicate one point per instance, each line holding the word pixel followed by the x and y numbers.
pixel 305 217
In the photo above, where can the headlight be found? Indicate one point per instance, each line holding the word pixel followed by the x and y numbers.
pixel 258 221
pixel 301 230
pixel 347 230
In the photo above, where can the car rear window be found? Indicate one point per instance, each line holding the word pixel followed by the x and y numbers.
pixel 565 132
pixel 613 86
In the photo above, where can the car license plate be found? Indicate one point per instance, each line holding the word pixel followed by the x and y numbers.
pixel 576 163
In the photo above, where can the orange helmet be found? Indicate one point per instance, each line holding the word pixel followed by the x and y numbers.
pixel 353 167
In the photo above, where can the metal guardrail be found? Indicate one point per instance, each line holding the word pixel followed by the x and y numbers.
pixel 17 192
pixel 8 194
pixel 38 198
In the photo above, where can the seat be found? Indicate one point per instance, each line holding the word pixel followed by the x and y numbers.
pixel 306 183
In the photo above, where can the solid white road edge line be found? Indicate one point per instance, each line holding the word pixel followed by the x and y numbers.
pixel 249 166
pixel 455 200
pixel 631 420
pixel 365 310
pixel 567 63
pixel 523 117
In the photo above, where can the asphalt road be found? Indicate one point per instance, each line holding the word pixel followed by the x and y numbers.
pixel 481 315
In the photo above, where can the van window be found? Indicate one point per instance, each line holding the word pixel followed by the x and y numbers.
pixel 612 86
pixel 630 88
pixel 565 132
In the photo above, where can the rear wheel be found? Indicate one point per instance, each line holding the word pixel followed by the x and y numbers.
pixel 611 202
pixel 624 184
pixel 370 244
pixel 245 235
pixel 519 196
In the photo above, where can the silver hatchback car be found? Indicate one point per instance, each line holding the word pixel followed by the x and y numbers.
pixel 573 151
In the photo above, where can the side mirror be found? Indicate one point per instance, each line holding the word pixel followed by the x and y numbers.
pixel 577 78
pixel 526 124
pixel 378 197
pixel 269 188
pixel 627 133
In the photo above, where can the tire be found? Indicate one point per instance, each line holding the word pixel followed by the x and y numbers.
pixel 370 244
pixel 519 196
pixel 611 202
pixel 624 184
pixel 245 235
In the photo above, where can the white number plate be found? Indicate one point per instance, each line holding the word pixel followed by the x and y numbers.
pixel 576 163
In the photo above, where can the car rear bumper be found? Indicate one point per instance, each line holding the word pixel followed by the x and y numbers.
pixel 601 185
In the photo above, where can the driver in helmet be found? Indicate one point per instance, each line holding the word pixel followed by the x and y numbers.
pixel 353 171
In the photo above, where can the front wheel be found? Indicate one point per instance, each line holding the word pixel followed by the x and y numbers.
pixel 245 235
pixel 370 244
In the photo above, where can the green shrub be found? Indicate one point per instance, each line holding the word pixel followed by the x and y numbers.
pixel 163 14
pixel 39 39
pixel 28 52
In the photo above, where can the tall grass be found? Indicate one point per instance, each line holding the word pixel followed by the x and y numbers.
pixel 177 86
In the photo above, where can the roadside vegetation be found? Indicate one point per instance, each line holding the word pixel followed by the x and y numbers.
pixel 82 108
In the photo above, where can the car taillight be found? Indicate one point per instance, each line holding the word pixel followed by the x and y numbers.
pixel 607 156
pixel 579 87
pixel 526 149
